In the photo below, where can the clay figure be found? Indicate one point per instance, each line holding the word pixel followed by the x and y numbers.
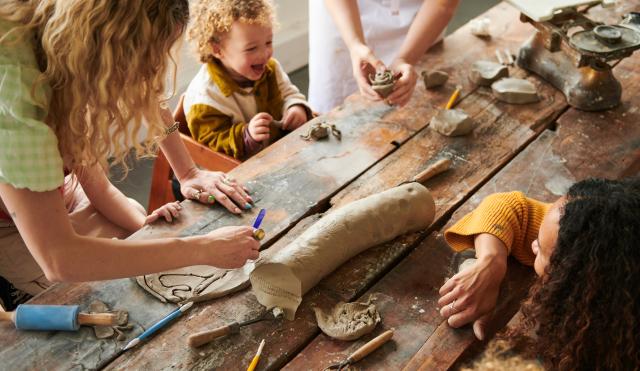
pixel 433 79
pixel 452 122
pixel 281 279
pixel 515 91
pixel 382 82
pixel 320 130
pixel 348 321
pixel 484 73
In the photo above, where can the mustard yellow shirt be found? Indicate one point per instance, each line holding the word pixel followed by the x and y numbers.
pixel 511 217
pixel 218 109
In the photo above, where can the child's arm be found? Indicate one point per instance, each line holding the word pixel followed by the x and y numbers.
pixel 296 110
pixel 216 130
pixel 109 201
pixel 503 223
pixel 168 211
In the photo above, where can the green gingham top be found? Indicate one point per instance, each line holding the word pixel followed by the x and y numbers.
pixel 29 155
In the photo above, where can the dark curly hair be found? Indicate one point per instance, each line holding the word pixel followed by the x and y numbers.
pixel 584 314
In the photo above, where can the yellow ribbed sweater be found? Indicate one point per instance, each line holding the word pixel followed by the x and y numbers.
pixel 511 217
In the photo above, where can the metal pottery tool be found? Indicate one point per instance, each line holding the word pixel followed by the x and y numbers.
pixel 572 52
pixel 55 317
pixel 256 358
pixel 153 329
pixel 363 351
pixel 204 337
pixel 432 170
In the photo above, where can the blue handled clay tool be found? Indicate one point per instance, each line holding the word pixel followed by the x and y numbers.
pixel 259 233
pixel 55 317
pixel 153 329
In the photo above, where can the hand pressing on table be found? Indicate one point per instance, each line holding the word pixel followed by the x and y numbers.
pixel 168 211
pixel 471 294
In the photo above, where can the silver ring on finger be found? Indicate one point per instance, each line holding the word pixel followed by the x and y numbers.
pixel 452 306
pixel 196 194
pixel 226 181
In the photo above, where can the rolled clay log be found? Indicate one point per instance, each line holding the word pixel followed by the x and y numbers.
pixel 515 91
pixel 484 73
pixel 452 122
pixel 282 280
pixel 433 79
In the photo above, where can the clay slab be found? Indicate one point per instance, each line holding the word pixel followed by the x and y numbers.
pixel 348 321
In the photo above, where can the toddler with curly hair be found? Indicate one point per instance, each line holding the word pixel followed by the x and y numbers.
pixel 241 99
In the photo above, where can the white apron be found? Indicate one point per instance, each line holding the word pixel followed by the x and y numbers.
pixel 385 24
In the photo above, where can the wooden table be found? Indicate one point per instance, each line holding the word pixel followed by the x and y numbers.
pixel 538 148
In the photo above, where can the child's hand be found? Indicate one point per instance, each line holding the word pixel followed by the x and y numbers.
pixel 295 116
pixel 259 126
pixel 169 211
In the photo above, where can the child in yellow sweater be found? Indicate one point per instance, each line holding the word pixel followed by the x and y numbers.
pixel 232 102
pixel 584 310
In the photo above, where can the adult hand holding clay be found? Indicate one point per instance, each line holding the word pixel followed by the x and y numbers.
pixel 471 294
pixel 372 34
pixel 60 216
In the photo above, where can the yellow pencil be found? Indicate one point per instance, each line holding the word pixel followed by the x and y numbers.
pixel 254 362
pixel 453 98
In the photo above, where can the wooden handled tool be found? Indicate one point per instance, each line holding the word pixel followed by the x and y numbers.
pixel 364 350
pixel 432 170
pixel 369 347
pixel 204 337
pixel 55 317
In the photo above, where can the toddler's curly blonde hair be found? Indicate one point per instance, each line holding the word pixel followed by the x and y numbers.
pixel 212 18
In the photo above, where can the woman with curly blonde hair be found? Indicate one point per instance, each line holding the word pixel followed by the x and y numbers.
pixel 77 80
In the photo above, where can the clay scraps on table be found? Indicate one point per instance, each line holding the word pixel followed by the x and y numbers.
pixel 515 91
pixel 452 122
pixel 195 283
pixel 348 321
pixel 484 73
pixel 382 82
pixel 320 130
pixel 433 79
pixel 105 332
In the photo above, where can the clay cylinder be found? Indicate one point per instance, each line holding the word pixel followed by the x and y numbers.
pixel 282 279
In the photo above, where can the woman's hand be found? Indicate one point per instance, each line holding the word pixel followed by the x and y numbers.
pixel 406 83
pixel 231 247
pixel 295 116
pixel 471 295
pixel 365 63
pixel 211 186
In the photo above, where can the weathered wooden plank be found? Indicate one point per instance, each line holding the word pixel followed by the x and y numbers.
pixel 586 144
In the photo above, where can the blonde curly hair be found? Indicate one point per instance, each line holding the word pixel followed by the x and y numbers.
pixel 106 62
pixel 213 18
